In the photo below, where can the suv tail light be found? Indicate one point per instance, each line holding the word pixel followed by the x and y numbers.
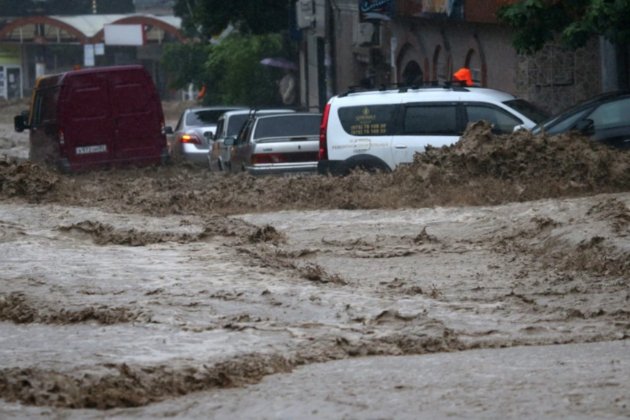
pixel 323 143
pixel 190 138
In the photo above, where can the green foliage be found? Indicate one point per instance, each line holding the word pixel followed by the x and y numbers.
pixel 235 75
pixel 576 21
pixel 185 63
pixel 231 70
pixel 206 18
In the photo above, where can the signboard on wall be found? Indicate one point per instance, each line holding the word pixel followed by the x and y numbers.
pixel 376 10
pixel 124 35
pixel 452 9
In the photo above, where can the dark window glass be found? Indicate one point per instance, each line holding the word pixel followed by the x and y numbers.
pixel 502 122
pixel 529 110
pixel 431 119
pixel 288 126
pixel 366 120
pixel 235 124
pixel 559 126
pixel 204 117
pixel 612 114
pixel 45 106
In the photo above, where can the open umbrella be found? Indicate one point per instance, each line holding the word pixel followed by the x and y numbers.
pixel 279 62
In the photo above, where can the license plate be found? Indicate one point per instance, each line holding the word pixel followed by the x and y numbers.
pixel 86 150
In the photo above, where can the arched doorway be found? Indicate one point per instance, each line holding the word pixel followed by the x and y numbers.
pixel 412 74
pixel 476 66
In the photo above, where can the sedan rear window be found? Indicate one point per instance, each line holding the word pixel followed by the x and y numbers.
pixel 206 117
pixel 288 126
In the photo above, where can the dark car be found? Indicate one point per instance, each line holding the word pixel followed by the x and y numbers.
pixel 604 118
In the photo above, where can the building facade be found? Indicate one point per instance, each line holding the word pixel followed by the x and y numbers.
pixel 375 43
pixel 36 45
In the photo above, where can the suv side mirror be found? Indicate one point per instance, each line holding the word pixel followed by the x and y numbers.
pixel 20 122
pixel 586 126
pixel 168 130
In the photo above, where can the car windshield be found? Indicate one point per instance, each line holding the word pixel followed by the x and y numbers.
pixel 531 111
pixel 288 126
pixel 565 119
pixel 204 117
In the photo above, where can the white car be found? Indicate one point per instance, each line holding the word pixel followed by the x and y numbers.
pixel 194 133
pixel 379 130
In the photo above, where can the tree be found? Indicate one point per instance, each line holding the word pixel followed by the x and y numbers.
pixel 235 75
pixel 206 18
pixel 576 21
pixel 186 63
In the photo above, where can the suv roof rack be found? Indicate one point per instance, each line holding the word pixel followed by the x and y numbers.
pixel 402 88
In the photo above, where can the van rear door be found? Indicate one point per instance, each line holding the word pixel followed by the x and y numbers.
pixel 87 129
pixel 138 118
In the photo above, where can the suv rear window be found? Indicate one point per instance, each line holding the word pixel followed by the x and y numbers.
pixel 375 120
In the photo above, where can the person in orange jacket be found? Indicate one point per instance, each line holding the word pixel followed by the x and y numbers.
pixel 202 92
pixel 464 76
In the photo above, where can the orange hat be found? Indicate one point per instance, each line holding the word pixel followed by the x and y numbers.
pixel 463 75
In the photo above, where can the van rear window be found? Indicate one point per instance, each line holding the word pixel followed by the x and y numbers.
pixel 368 120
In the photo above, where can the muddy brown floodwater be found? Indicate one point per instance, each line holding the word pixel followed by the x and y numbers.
pixel 486 279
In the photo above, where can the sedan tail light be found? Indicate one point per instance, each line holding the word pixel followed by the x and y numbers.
pixel 268 158
pixel 190 138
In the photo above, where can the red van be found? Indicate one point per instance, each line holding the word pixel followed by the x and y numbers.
pixel 95 117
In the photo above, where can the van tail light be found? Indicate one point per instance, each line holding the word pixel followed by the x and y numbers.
pixel 323 141
pixel 191 139
pixel 62 139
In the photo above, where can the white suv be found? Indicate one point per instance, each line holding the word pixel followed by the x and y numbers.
pixel 378 130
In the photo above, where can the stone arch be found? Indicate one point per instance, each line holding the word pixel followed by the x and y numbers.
pixel 476 61
pixel 147 21
pixel 7 31
pixel 441 65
